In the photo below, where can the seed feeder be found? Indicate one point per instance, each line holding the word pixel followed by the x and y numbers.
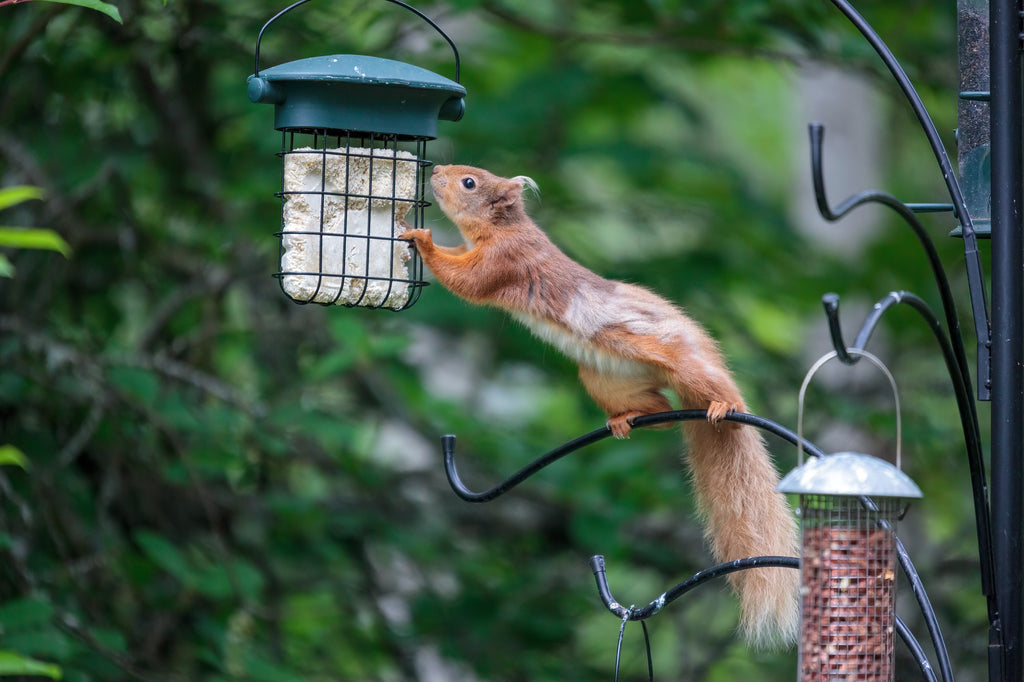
pixel 354 133
pixel 849 504
pixel 973 128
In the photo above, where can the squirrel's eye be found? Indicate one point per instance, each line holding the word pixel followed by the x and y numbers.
pixel 469 183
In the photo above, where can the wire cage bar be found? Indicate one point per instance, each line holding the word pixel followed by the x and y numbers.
pixel 346 197
pixel 848 589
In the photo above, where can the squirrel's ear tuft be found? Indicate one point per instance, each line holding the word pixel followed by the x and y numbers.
pixel 508 193
pixel 525 182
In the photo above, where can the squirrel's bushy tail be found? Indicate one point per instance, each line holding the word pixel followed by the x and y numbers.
pixel 734 482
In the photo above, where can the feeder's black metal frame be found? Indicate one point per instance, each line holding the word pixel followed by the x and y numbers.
pixel 999 362
pixel 414 281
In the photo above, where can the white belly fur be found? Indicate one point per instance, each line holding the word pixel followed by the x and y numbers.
pixel 580 350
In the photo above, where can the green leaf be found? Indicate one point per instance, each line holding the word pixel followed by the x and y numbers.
pixel 25 238
pixel 10 455
pixel 47 643
pixel 164 554
pixel 218 580
pixel 10 196
pixel 105 7
pixel 140 383
pixel 24 614
pixel 15 664
pixel 30 238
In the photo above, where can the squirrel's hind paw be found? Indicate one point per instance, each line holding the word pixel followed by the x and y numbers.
pixel 621 424
pixel 718 409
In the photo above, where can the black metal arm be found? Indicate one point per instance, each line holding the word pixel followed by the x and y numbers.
pixel 817 134
pixel 597 562
pixel 597 566
pixel 975 274
pixel 633 613
pixel 951 346
pixel 451 470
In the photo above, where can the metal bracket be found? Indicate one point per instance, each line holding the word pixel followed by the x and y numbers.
pixel 979 304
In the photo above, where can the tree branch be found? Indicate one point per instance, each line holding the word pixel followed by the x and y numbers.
pixel 26 39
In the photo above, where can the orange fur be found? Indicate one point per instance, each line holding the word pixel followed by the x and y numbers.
pixel 630 345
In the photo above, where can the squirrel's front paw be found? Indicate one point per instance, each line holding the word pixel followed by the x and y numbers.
pixel 419 236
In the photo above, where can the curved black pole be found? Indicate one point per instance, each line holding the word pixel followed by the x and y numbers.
pixel 628 613
pixel 597 563
pixel 965 406
pixel 816 132
pixel 920 110
pixel 969 424
pixel 952 349
pixel 597 566
pixel 915 650
pixel 972 258
pixel 930 619
pixel 831 303
pixel 451 470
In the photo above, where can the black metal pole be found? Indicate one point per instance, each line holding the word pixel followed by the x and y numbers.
pixel 1007 337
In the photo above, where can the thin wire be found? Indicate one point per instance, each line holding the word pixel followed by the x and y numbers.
pixel 647 646
pixel 618 647
pixel 421 15
pixel 259 37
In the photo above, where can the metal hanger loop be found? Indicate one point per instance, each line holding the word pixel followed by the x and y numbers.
pixel 807 380
pixel 421 15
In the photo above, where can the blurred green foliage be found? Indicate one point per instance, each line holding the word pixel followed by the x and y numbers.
pixel 219 484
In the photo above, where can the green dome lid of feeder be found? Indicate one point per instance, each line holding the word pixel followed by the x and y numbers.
pixel 848 474
pixel 357 93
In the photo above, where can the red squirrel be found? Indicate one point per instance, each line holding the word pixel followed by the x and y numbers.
pixel 630 345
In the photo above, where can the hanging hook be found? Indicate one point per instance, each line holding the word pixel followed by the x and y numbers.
pixel 961 391
pixel 979 305
pixel 421 15
pixel 831 303
pixel 597 566
pixel 451 470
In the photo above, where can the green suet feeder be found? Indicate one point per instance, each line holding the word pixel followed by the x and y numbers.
pixel 354 133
